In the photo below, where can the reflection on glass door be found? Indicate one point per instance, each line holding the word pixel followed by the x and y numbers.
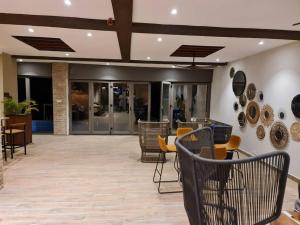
pixel 101 114
pixel 80 107
pixel 140 103
pixel 165 101
pixel 121 109
pixel 199 100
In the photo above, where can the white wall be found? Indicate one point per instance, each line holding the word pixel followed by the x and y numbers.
pixel 277 73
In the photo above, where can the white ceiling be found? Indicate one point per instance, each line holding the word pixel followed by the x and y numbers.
pixel 269 14
pixel 144 45
pixel 94 9
pixel 103 44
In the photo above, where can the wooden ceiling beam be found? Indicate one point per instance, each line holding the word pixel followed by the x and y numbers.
pixel 116 60
pixel 149 28
pixel 55 21
pixel 123 20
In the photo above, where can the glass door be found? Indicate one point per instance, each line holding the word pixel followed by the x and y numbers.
pixel 80 107
pixel 120 95
pixel 100 108
pixel 141 103
pixel 165 101
pixel 199 101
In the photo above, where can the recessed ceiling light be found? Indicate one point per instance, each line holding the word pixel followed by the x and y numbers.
pixel 261 42
pixel 159 39
pixel 173 66
pixel 20 60
pixel 148 58
pixel 89 34
pixel 108 64
pixel 31 30
pixel 218 60
pixel 174 12
pixel 67 54
pixel 68 2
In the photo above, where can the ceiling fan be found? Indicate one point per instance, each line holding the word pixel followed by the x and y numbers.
pixel 193 65
pixel 296 24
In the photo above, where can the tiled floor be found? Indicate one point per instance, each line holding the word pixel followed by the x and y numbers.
pixel 88 180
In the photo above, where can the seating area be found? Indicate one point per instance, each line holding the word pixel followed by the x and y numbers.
pixel 138 112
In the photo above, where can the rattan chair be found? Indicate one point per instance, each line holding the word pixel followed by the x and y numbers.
pixel 230 192
pixel 148 132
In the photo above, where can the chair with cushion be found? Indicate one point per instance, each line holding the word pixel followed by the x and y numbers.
pixel 10 133
pixel 213 194
pixel 164 149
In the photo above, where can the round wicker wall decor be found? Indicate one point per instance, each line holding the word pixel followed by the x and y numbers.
pixel 242 119
pixel 253 112
pixel 243 100
pixel 279 135
pixel 267 115
pixel 232 72
pixel 251 91
pixel 295 131
pixel 260 132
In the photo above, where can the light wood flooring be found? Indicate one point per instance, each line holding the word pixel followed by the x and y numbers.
pixel 87 180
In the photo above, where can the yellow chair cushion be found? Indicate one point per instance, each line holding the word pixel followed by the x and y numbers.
pixel 171 148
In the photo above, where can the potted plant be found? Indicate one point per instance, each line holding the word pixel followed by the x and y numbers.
pixel 20 113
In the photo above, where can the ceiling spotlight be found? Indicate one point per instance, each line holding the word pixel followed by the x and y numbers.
pixel 68 2
pixel 31 30
pixel 67 54
pixel 261 42
pixel 89 34
pixel 174 12
pixel 148 58
pixel 107 63
pixel 173 66
pixel 218 60
pixel 159 39
pixel 20 60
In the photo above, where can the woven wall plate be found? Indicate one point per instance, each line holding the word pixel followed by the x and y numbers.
pixel 252 112
pixel 267 115
pixel 260 132
pixel 295 131
pixel 243 100
pixel 251 91
pixel 232 72
pixel 279 135
pixel 242 119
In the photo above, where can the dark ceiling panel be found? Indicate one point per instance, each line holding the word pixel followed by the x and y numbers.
pixel 45 43
pixel 196 51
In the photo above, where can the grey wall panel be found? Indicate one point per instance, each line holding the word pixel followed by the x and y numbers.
pixel 98 72
pixel 34 69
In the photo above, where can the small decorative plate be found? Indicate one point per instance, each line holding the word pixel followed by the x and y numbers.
pixel 243 100
pixel 260 132
pixel 235 106
pixel 251 91
pixel 260 96
pixel 279 135
pixel 295 131
pixel 232 72
pixel 267 115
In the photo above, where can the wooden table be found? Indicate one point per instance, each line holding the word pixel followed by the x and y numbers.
pixel 285 219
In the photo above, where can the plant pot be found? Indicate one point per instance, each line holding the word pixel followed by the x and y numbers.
pixel 27 119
